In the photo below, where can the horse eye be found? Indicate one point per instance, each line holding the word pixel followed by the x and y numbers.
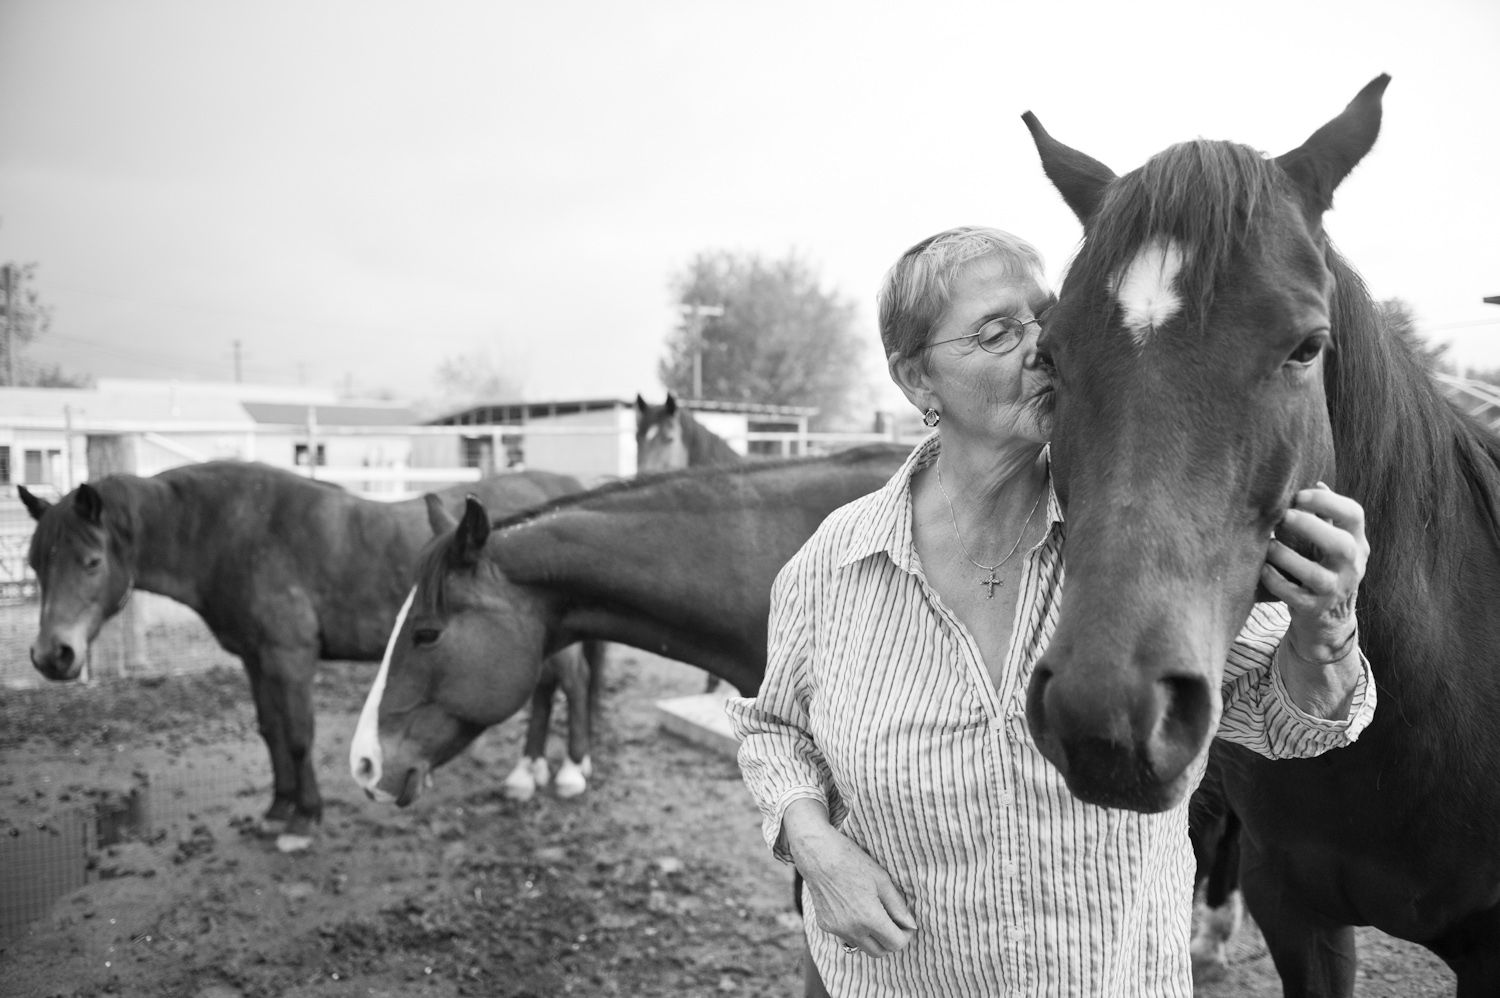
pixel 426 636
pixel 92 562
pixel 1307 351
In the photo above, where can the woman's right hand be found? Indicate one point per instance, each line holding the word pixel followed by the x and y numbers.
pixel 855 899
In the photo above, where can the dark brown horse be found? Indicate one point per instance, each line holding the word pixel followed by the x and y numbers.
pixel 667 437
pixel 1214 355
pixel 680 564
pixel 283 570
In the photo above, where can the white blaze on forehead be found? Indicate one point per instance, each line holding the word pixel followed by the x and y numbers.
pixel 1146 288
pixel 364 748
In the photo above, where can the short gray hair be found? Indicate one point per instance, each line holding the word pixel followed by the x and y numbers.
pixel 918 289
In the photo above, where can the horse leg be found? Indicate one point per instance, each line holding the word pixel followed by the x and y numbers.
pixel 271 722
pixel 1214 830
pixel 287 673
pixel 1315 956
pixel 1472 949
pixel 532 772
pixel 573 775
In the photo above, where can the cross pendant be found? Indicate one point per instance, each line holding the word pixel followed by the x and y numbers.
pixel 991 583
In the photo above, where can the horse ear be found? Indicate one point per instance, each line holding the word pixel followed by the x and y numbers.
pixel 35 505
pixel 89 504
pixel 640 405
pixel 473 531
pixel 1078 177
pixel 438 518
pixel 1321 163
pixel 671 405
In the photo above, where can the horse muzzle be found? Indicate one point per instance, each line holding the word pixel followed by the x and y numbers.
pixel 59 659
pixel 1126 744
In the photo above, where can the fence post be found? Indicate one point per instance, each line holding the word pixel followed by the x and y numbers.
pixel 120 647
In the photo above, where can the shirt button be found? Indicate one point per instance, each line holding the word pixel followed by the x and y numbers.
pixel 1010 868
pixel 997 724
pixel 1006 798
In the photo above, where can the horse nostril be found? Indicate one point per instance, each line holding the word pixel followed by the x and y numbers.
pixel 65 656
pixel 1183 726
pixel 1036 699
pixel 366 767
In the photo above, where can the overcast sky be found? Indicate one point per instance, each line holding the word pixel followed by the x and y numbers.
pixel 357 191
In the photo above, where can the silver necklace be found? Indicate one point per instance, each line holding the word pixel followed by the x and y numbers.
pixel 991 580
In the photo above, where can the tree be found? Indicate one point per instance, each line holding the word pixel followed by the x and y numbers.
pixel 475 378
pixel 25 319
pixel 783 338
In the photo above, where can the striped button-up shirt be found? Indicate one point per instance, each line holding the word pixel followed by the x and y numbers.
pixel 876 702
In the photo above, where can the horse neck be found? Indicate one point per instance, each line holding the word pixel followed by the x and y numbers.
pixel 1427 480
pixel 657 582
pixel 703 445
pixel 152 529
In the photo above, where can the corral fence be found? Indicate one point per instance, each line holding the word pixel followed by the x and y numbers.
pixel 155 635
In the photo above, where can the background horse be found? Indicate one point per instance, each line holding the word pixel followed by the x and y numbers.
pixel 679 564
pixel 578 670
pixel 1214 355
pixel 667 437
pixel 283 570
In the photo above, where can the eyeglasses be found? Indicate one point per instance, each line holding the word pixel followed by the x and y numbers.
pixel 1000 335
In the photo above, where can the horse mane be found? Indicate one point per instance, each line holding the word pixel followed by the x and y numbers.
pixel 118 520
pixel 1205 194
pixel 436 560
pixel 1445 456
pixel 704 446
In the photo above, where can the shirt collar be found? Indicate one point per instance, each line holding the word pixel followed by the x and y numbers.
pixel 887 525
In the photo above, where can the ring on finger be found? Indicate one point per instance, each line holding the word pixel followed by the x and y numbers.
pixel 850 948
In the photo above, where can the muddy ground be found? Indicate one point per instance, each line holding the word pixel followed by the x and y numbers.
pixel 653 883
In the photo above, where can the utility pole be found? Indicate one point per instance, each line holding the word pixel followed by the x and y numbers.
pixel 237 378
pixel 8 276
pixel 695 315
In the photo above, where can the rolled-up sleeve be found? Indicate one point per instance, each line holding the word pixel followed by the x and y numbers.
pixel 1259 712
pixel 778 757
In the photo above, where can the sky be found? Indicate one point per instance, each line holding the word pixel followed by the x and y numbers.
pixel 356 192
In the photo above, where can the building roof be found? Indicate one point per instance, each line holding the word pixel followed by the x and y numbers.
pixel 509 413
pixel 284 413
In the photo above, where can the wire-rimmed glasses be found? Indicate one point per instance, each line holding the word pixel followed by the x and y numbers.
pixel 999 335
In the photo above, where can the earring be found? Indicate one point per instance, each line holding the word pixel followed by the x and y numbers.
pixel 931 417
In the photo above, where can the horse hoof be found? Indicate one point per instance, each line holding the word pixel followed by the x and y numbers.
pixel 572 778
pixel 269 828
pixel 289 843
pixel 522 782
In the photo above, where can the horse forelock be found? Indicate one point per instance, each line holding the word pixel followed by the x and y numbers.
pixel 1202 199
pixel 433 566
pixel 62 525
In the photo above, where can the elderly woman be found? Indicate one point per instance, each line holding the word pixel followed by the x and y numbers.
pixel 887 749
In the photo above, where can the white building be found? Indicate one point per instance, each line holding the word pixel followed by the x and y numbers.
pixel 595 438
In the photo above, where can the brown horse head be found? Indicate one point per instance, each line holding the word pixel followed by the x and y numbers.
pixel 429 701
pixel 1189 345
pixel 659 438
pixel 79 554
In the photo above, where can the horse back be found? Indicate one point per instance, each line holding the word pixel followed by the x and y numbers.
pixel 294 560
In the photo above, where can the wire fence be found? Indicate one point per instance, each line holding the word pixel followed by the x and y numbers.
pixel 181 804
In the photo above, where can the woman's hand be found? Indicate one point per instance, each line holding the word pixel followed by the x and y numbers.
pixel 1319 588
pixel 855 899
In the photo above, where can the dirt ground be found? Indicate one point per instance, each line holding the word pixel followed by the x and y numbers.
pixel 653 883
